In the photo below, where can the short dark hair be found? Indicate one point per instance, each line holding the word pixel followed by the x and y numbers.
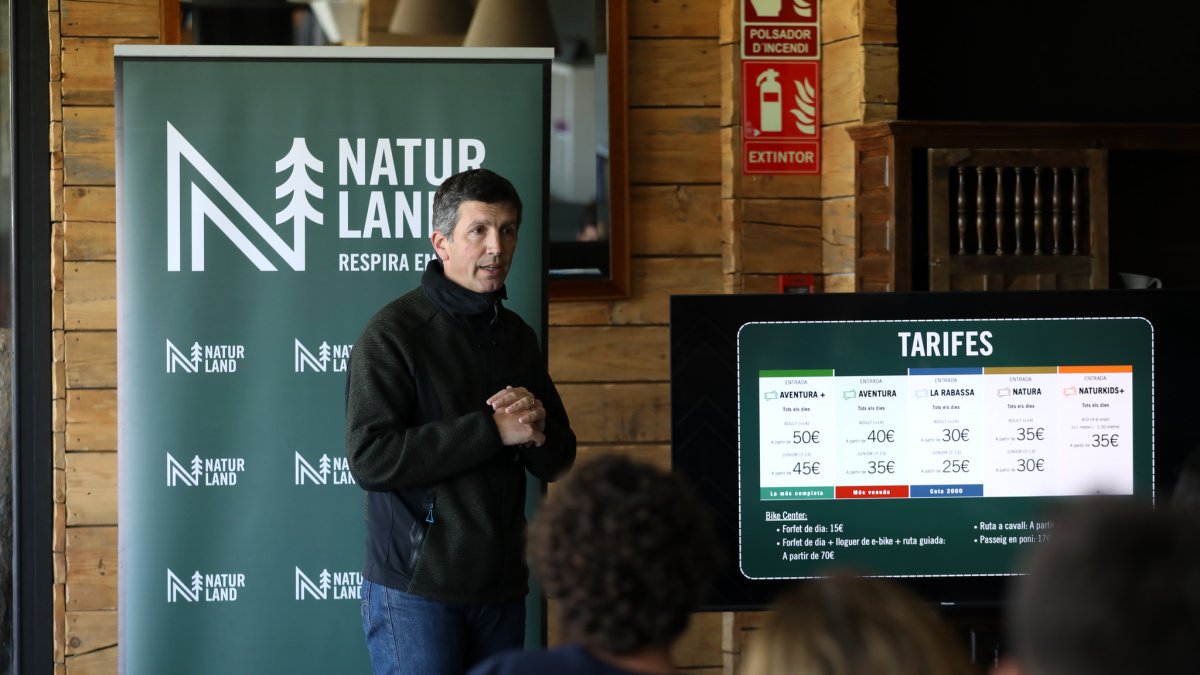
pixel 1116 590
pixel 626 551
pixel 478 185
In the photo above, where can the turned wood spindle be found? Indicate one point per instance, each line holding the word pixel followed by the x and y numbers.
pixel 1074 210
pixel 962 210
pixel 999 210
pixel 1055 214
pixel 1037 210
pixel 1017 224
pixel 979 209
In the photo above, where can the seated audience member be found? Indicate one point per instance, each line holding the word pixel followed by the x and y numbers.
pixel 1115 591
pixel 627 554
pixel 845 625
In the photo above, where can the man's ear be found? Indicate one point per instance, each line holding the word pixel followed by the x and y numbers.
pixel 439 245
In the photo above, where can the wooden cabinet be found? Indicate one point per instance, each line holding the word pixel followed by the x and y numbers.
pixel 1003 206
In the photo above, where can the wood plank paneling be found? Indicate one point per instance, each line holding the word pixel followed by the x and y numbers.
pixel 654 280
pixel 674 145
pixel 91 568
pixel 92 359
pixel 90 203
pixel 102 662
pixel 837 251
pixel 793 212
pixel 90 296
pixel 609 354
pixel 589 313
pixel 658 454
pixel 837 158
pixel 840 283
pixel 840 19
pixel 841 81
pixel 90 240
pixel 879 21
pixel 87 69
pixel 881 74
pixel 90 145
pixel 91 488
pixel 676 220
pixel 112 18
pixel 91 419
pixel 780 249
pixel 89 631
pixel 700 644
pixel 675 73
pixel 618 413
pixel 673 18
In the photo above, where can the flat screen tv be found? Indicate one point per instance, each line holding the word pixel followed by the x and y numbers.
pixel 928 437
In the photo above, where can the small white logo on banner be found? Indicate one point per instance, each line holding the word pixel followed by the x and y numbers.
pixel 327 359
pixel 210 471
pixel 204 358
pixel 328 586
pixel 328 471
pixel 221 587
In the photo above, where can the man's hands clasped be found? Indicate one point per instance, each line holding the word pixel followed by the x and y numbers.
pixel 519 416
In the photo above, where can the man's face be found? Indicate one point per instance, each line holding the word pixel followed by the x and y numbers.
pixel 479 252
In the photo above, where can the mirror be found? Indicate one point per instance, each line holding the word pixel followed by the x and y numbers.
pixel 588 240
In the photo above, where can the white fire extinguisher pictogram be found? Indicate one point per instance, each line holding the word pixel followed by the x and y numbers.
pixel 770 101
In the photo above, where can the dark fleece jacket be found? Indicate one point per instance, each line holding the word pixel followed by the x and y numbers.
pixel 445 499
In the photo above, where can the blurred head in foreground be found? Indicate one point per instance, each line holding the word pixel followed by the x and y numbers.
pixel 1116 590
pixel 845 625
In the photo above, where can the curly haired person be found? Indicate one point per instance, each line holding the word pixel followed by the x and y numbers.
pixel 627 553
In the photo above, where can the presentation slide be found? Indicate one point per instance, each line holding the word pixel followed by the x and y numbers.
pixel 932 448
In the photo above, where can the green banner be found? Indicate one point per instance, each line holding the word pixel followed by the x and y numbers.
pixel 269 202
pixel 917 448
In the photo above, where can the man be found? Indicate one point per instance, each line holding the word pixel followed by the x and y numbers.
pixel 1115 591
pixel 627 553
pixel 448 404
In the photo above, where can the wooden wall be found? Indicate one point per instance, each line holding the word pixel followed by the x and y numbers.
pixel 82 178
pixel 697 226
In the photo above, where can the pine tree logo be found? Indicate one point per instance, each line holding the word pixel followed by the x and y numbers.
pixel 197 469
pixel 176 588
pixel 176 473
pixel 307 473
pixel 306 588
pixel 300 186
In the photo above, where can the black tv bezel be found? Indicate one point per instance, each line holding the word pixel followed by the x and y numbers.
pixel 703 369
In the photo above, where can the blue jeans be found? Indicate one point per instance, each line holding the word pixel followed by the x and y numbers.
pixel 407 634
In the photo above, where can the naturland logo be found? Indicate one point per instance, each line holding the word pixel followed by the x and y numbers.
pixel 220 471
pixel 204 358
pixel 327 358
pixel 381 193
pixel 221 587
pixel 328 586
pixel 328 471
